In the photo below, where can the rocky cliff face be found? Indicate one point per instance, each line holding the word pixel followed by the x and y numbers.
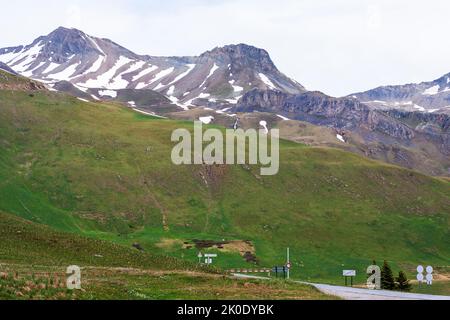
pixel 415 140
pixel 434 126
pixel 320 109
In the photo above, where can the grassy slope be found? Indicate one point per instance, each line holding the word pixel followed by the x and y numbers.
pixel 104 171
pixel 28 243
pixel 33 259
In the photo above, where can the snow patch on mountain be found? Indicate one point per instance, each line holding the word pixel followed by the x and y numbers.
pixel 282 117
pixel 263 124
pixel 235 88
pixel 267 81
pixel 432 91
pixel 27 55
pixel 94 42
pixel 103 80
pixel 171 90
pixel 108 93
pixel 159 86
pixel 206 120
pixel 96 65
pixel 211 72
pixel 184 74
pixel 145 72
pixel 233 100
pixel 340 138
pixel 66 73
pixel 51 66
pixel 161 75
pixel 119 82
pixel 29 73
pixel 203 96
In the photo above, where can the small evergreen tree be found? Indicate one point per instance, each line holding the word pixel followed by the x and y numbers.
pixel 403 282
pixel 387 277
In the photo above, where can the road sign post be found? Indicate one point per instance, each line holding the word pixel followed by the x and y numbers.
pixel 208 258
pixel 349 274
pixel 429 277
pixel 282 269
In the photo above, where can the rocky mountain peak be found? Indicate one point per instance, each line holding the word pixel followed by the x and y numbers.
pixel 243 56
pixel 63 43
pixel 218 77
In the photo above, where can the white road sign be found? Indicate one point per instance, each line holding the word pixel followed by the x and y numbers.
pixel 349 273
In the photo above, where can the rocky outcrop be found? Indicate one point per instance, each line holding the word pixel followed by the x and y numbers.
pixel 415 140
pixel 10 81
pixel 6 68
pixel 320 109
pixel 435 126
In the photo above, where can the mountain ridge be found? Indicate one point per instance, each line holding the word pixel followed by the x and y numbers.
pixel 397 136
pixel 220 75
pixel 428 96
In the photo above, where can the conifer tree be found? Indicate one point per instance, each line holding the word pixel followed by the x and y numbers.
pixel 403 282
pixel 387 277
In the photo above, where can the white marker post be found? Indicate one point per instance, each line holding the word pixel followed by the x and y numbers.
pixel 288 264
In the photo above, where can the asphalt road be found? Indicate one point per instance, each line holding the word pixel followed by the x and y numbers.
pixel 349 293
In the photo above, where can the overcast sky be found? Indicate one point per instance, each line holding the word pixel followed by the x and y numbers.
pixel 335 46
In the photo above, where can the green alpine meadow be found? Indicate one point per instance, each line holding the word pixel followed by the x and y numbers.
pixel 92 184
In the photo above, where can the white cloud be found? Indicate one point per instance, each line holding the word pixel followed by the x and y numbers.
pixel 373 17
pixel 336 46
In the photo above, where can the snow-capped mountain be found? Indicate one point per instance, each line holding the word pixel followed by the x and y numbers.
pixel 219 76
pixel 432 97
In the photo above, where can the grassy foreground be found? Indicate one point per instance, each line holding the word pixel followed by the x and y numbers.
pixel 33 260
